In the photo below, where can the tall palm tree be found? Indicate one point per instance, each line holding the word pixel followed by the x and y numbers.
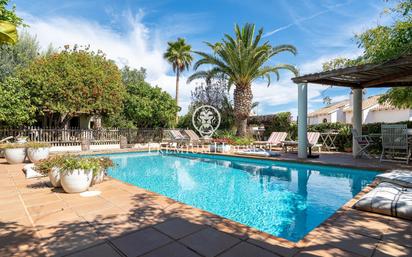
pixel 8 32
pixel 179 55
pixel 242 59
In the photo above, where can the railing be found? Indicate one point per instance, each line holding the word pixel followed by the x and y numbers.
pixel 74 136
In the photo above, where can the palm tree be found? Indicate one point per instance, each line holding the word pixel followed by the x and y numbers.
pixel 242 59
pixel 8 32
pixel 179 55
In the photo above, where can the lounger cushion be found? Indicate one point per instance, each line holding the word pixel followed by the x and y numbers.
pixel 399 177
pixel 389 199
pixel 259 153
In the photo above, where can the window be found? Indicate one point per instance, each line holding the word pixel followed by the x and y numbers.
pixel 325 120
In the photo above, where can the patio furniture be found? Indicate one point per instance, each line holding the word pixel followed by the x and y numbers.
pixel 275 139
pixel 177 139
pixel 388 199
pixel 364 142
pixel 395 142
pixel 258 152
pixel 328 140
pixel 399 177
pixel 193 137
pixel 313 138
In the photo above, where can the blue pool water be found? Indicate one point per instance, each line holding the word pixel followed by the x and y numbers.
pixel 287 200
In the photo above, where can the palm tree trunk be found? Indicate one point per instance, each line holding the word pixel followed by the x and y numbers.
pixel 242 104
pixel 177 93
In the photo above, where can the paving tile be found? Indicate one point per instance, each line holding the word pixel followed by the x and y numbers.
pixel 140 242
pixel 12 214
pixel 41 200
pixel 102 250
pixel 209 242
pixel 63 246
pixel 275 246
pixel 362 225
pixel 172 250
pixel 325 251
pixel 247 250
pixel 391 249
pixel 178 228
pixel 359 244
pixel 54 217
pixel 47 208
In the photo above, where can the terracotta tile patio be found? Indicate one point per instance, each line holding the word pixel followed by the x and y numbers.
pixel 124 220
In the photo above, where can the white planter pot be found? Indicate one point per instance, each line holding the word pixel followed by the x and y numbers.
pixel 54 176
pixel 38 154
pixel 98 178
pixel 15 155
pixel 76 181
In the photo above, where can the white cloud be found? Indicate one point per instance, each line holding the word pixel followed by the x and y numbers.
pixel 137 47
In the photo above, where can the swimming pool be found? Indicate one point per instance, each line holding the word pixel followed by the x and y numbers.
pixel 284 199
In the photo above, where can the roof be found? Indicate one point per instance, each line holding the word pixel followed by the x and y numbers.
pixel 329 109
pixel 366 103
pixel 393 73
pixel 385 107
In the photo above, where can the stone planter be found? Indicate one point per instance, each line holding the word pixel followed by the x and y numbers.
pixel 76 181
pixel 38 154
pixel 15 155
pixel 54 176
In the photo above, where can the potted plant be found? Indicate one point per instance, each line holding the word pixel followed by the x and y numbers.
pixel 347 147
pixel 14 152
pixel 37 151
pixel 76 173
pixel 50 167
pixel 98 176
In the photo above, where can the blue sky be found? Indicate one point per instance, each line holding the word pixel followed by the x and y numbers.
pixel 135 33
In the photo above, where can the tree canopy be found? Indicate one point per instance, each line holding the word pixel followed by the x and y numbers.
pixel 17 56
pixel 144 106
pixel 71 82
pixel 15 105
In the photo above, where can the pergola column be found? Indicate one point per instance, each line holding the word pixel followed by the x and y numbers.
pixel 302 120
pixel 357 117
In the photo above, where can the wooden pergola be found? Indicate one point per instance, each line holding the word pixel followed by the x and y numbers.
pixel 393 73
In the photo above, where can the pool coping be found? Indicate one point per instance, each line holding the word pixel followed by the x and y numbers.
pixel 253 233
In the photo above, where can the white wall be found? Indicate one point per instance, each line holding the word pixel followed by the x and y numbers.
pixel 333 117
pixel 388 116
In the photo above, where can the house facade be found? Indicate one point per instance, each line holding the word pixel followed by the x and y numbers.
pixel 372 112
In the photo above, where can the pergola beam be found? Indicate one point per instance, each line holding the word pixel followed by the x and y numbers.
pixel 387 78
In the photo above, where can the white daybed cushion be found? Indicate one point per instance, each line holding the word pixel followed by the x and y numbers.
pixel 399 177
pixel 388 199
pixel 31 172
pixel 258 153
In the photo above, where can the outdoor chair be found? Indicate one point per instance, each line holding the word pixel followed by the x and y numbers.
pixel 395 142
pixel 177 138
pixel 194 138
pixel 364 142
pixel 275 139
pixel 313 138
